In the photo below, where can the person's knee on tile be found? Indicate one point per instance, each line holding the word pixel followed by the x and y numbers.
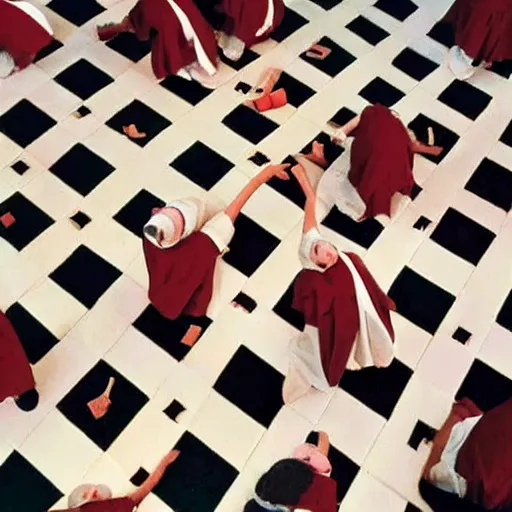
pixel 181 251
pixel 346 314
pixel 24 32
pixel 247 22
pixel 183 42
pixel 16 377
pixel 301 482
pixel 482 30
pixel 471 455
pixel 98 498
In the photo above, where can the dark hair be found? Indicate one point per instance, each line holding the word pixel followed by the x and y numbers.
pixel 150 230
pixel 282 484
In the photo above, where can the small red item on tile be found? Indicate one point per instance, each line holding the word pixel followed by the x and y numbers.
pixel 7 220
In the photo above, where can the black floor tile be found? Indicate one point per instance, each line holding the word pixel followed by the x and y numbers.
pixel 344 470
pixel 127 401
pixel 363 233
pixel 422 223
pixel 250 246
pixel 20 167
pixel 80 219
pixel 247 57
pixel 443 33
pixel 506 136
pixel 420 432
pixel 249 124
pixel 35 123
pixel 198 480
pixel 367 30
pixel 502 68
pixel 77 13
pixel 167 334
pixel 444 137
pixel 237 381
pixel 143 117
pixel 493 183
pixel 35 338
pixel 411 508
pixel 202 165
pixel 48 50
pixel 414 64
pixel 505 314
pixel 335 63
pixel 380 91
pixel 485 386
pixel 415 192
pixel 130 47
pixel 83 79
pixel 292 22
pixel 296 92
pixel 343 116
pixel 327 4
pixel 461 335
pixel 173 410
pixel 137 211
pixel 284 309
pixel 17 476
pixel 390 382
pixel 31 221
pixel 139 477
pixel 465 98
pixel 399 9
pixel 462 236
pixel 420 301
pixel 81 169
pixel 85 275
pixel 190 91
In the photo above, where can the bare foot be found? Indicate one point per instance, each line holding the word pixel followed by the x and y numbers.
pixel 132 132
pixel 238 306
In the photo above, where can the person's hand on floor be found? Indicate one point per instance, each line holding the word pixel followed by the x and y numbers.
pixel 278 171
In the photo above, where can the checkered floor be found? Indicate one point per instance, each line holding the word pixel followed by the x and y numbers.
pixel 78 296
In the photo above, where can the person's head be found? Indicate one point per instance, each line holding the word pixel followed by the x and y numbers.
pixel 87 493
pixel 165 227
pixel 7 64
pixel 283 484
pixel 28 401
pixel 324 254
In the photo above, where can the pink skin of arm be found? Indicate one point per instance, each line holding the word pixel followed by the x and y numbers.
pixel 309 209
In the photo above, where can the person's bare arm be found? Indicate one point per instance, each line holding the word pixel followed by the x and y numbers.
pixel 419 147
pixel 153 479
pixel 323 443
pixel 310 207
pixel 349 127
pixel 234 209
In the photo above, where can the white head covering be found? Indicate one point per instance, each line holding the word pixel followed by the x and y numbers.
pixel 7 64
pixel 160 223
pixel 306 245
pixel 77 498
pixel 271 507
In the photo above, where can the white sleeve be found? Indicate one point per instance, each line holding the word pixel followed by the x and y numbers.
pixel 220 229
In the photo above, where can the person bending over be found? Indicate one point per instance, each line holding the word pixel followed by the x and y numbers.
pixel 346 314
pixel 181 261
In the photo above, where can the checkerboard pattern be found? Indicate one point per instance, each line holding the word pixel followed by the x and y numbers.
pixel 73 279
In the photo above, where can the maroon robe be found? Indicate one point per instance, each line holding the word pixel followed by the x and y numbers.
pixel 483 28
pixel 320 496
pixel 170 50
pixel 112 505
pixel 245 17
pixel 328 301
pixel 15 372
pixel 485 459
pixel 20 35
pixel 381 160
pixel 181 277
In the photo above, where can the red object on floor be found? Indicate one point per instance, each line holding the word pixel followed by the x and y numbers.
pixel 276 99
pixel 7 219
pixel 171 51
pixel 381 160
pixel 246 17
pixel 485 459
pixel 181 277
pixel 20 35
pixel 483 28
pixel 328 301
pixel 15 372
